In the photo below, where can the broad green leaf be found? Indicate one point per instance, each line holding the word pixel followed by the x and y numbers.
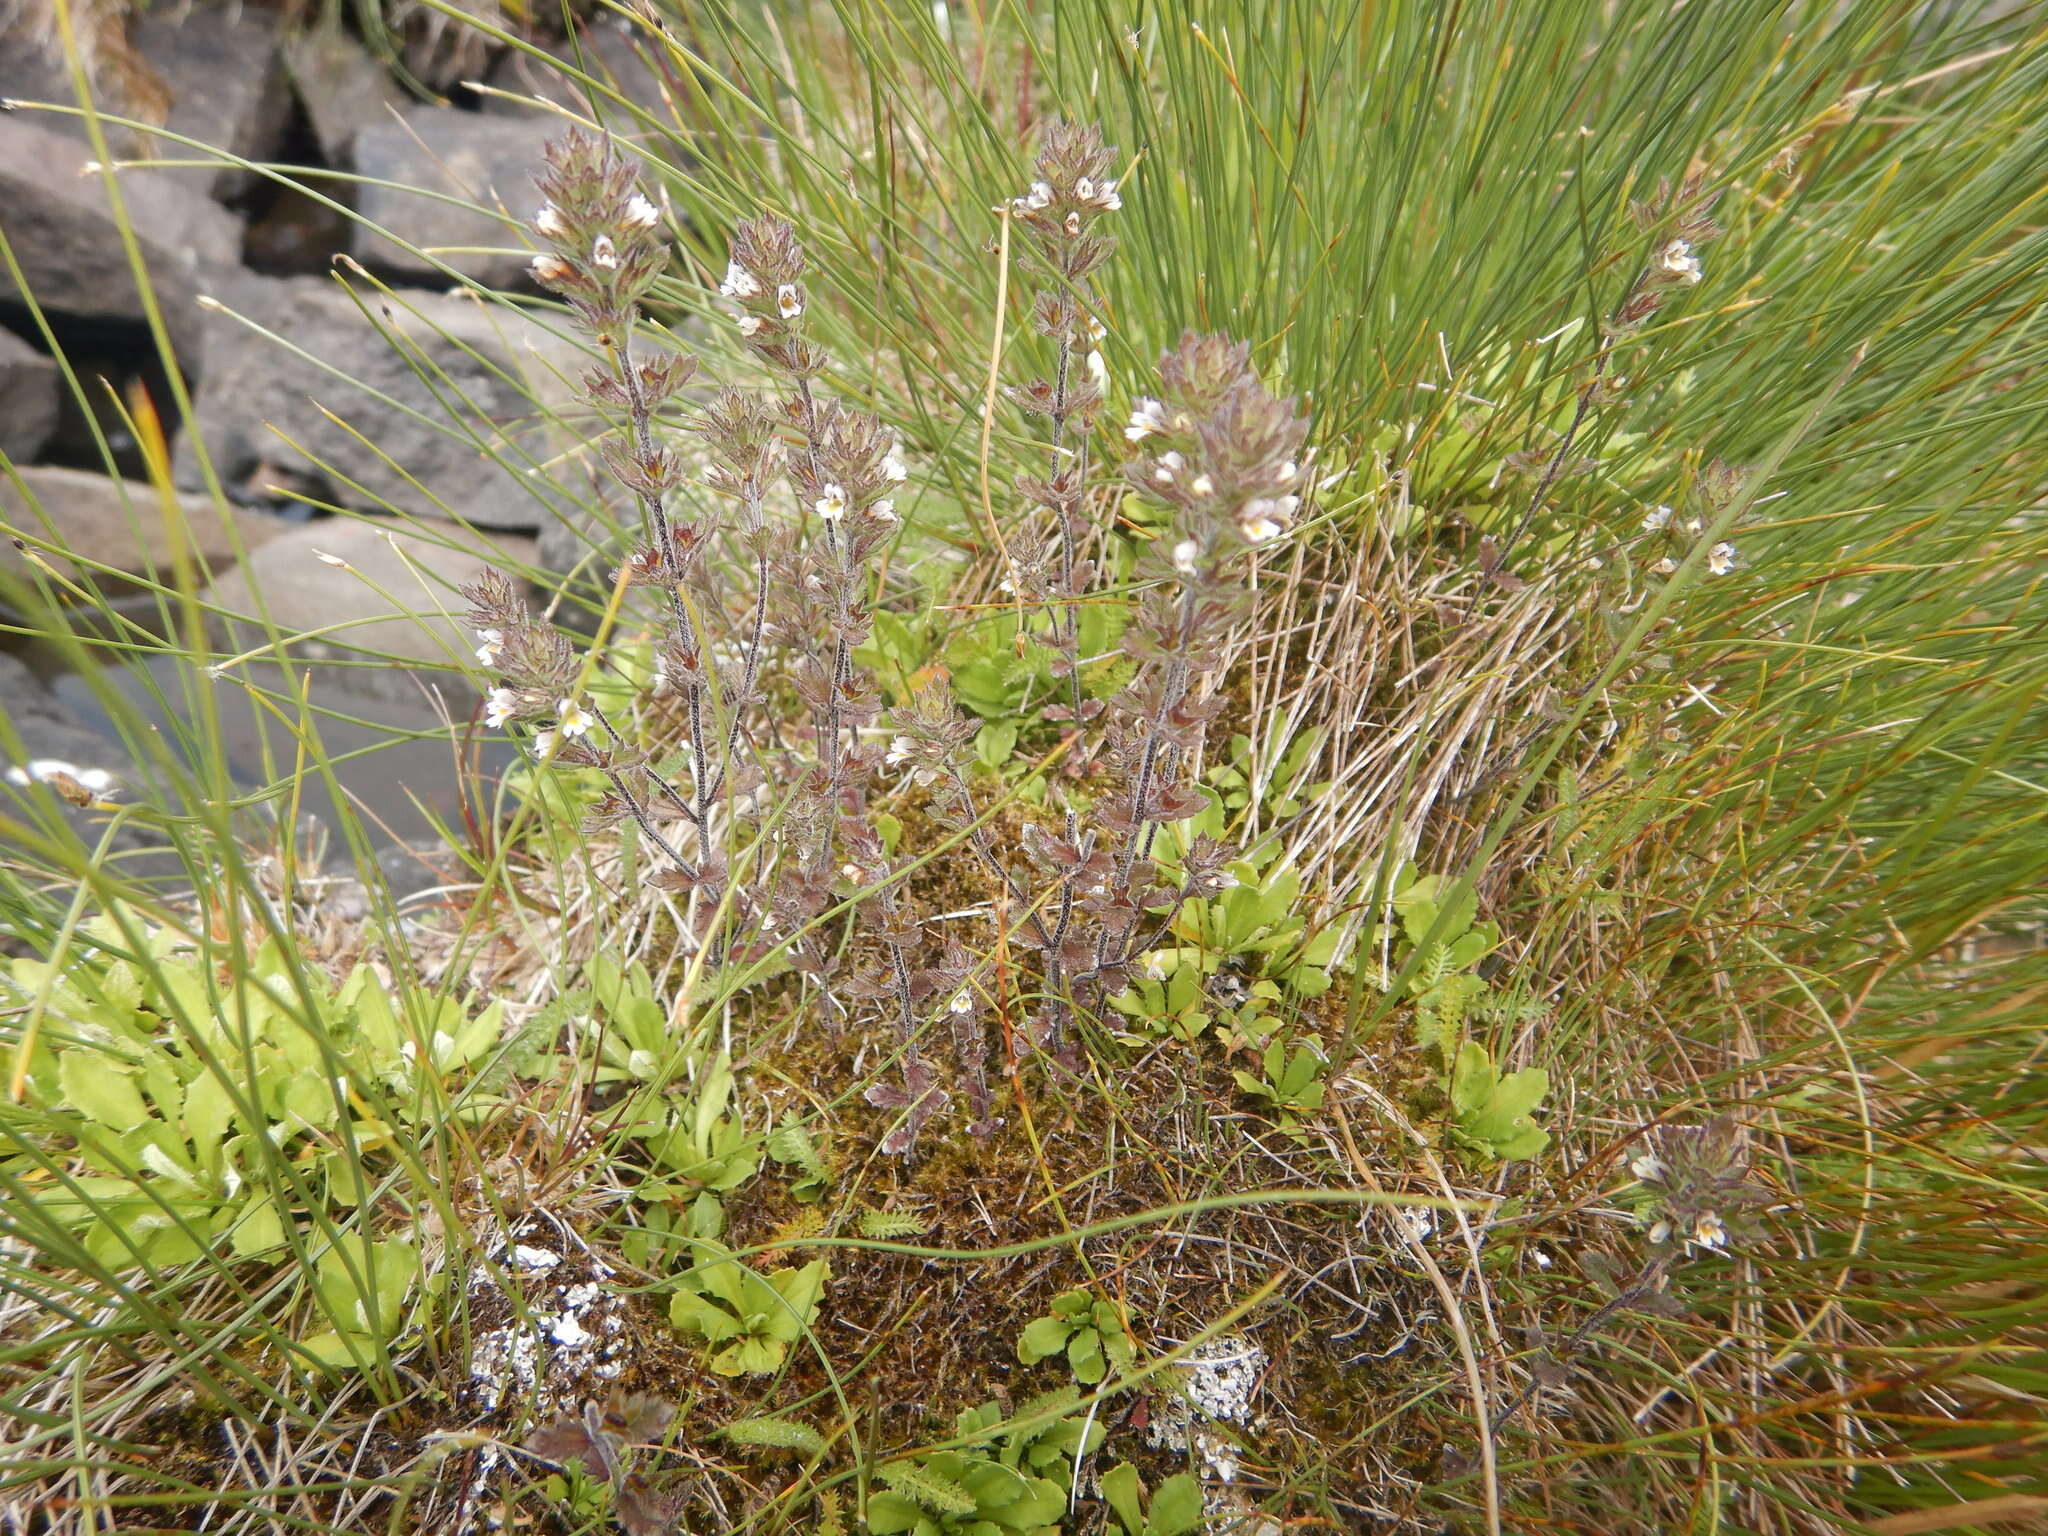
pixel 100 1089
pixel 1043 1337
pixel 1176 1506
pixel 1120 1488
pixel 209 1112
pixel 800 1290
pixel 259 1229
pixel 1084 1357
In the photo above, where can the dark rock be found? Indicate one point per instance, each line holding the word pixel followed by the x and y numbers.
pixel 118 523
pixel 342 88
pixel 217 79
pixel 58 223
pixel 226 79
pixel 486 164
pixel 30 400
pixel 257 413
pixel 613 54
pixel 394 593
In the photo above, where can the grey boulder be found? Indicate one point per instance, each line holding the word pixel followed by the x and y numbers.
pixel 613 55
pixel 366 593
pixel 395 441
pixel 117 525
pixel 460 183
pixel 61 228
pixel 214 75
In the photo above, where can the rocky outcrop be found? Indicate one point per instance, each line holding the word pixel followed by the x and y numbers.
pixel 360 426
pixel 117 525
pixel 58 217
pixel 364 589
pixel 214 76
pixel 609 55
pixel 475 179
pixel 342 89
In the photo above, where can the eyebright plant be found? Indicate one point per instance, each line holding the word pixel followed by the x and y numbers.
pixel 1696 1192
pixel 1216 459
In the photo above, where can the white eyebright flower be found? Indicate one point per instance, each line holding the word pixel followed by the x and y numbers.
pixel 1147 417
pixel 572 719
pixel 962 1003
pixel 1677 260
pixel 750 325
pixel 500 707
pixel 884 511
pixel 894 468
pixel 603 253
pixel 1185 554
pixel 1649 1167
pixel 789 303
pixel 831 502
pixel 641 214
pixel 550 269
pixel 1721 559
pixel 549 222
pixel 493 642
pixel 739 282
pixel 543 743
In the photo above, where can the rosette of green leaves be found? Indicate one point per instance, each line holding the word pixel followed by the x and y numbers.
pixel 182 1094
pixel 1291 1086
pixel 972 1492
pixel 749 1319
pixel 1490 1114
pixel 1258 925
pixel 701 1146
pixel 1174 1508
pixel 1088 1331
